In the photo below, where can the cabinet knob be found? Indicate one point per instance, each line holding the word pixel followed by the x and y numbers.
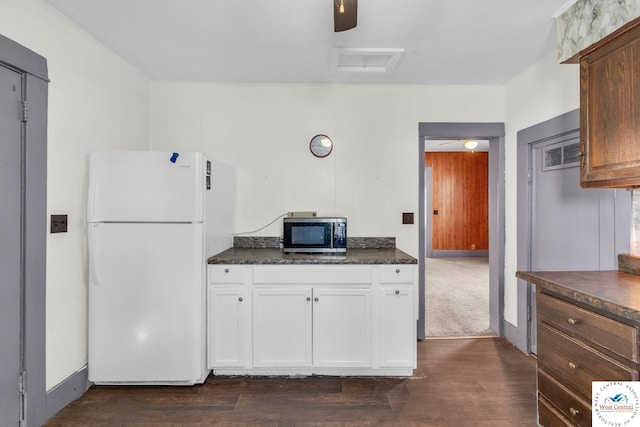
pixel 572 365
pixel 308 298
pixel 240 299
pixel 397 292
pixel 397 271
pixel 226 270
pixel 572 321
pixel 574 412
pixel 316 299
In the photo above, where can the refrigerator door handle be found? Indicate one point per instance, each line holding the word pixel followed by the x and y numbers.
pixel 91 199
pixel 93 268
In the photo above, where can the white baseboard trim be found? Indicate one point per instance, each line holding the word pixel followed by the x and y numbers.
pixel 67 391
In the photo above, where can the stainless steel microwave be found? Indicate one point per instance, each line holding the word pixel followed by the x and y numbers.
pixel 315 235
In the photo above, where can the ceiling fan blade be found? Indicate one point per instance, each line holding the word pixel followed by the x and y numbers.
pixel 345 15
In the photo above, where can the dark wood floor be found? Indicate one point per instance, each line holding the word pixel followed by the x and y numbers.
pixel 458 382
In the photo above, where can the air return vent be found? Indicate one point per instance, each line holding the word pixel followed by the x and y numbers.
pixel 560 156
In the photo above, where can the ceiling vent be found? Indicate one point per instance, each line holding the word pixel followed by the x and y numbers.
pixel 365 60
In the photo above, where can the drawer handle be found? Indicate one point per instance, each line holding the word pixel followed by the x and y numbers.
pixel 572 365
pixel 397 292
pixel 574 412
pixel 572 321
pixel 315 299
pixel 226 270
pixel 397 271
pixel 308 298
pixel 240 299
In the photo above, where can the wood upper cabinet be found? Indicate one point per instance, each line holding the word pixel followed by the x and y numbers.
pixel 610 110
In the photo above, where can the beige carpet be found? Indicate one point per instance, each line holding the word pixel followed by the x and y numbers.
pixel 457 297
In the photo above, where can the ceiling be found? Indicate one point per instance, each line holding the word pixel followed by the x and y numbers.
pixel 290 41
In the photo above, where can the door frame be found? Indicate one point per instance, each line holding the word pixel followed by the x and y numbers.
pixel 494 132
pixel 33 69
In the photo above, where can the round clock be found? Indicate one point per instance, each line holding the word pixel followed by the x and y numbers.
pixel 321 145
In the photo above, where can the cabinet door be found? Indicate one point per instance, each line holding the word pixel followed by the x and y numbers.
pixel 396 326
pixel 342 327
pixel 227 326
pixel 282 327
pixel 610 112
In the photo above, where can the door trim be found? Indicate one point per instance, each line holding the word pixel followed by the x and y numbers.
pixel 494 132
pixel 33 68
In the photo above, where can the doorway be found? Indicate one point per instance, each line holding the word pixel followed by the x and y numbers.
pixel 562 226
pixel 23 180
pixel 457 244
pixel 494 133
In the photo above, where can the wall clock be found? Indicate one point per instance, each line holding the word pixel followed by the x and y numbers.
pixel 321 145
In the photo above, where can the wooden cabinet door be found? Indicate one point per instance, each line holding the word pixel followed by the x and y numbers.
pixel 610 112
pixel 282 334
pixel 342 327
pixel 227 326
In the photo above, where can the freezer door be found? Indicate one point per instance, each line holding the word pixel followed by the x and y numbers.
pixel 146 303
pixel 146 186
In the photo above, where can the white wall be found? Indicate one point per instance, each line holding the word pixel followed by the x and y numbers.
pixel 541 92
pixel 96 101
pixel 264 130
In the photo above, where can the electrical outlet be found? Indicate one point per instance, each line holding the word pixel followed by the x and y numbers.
pixel 407 217
pixel 58 223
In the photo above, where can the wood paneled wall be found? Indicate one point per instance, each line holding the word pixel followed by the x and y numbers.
pixel 460 194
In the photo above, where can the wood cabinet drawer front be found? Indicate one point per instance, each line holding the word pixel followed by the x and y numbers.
pixel 576 365
pixel 610 334
pixel 549 416
pixel 226 274
pixel 572 407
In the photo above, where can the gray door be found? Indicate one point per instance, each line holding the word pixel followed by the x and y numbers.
pixel 571 228
pixel 10 245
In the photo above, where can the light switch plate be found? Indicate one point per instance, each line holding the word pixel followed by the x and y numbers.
pixel 58 223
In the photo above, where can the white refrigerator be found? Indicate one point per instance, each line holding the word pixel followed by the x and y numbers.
pixel 152 219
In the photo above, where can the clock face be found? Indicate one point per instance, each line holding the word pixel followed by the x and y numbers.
pixel 321 145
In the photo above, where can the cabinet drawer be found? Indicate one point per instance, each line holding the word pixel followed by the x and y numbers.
pixel 612 335
pixel 226 274
pixel 576 365
pixel 548 415
pixel 572 407
pixel 309 274
pixel 397 274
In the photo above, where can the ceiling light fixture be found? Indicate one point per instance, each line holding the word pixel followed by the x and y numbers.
pixel 341 6
pixel 470 145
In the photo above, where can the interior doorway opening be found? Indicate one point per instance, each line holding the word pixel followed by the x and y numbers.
pixel 494 134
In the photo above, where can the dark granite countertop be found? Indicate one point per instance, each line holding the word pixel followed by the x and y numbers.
pixel 239 255
pixel 609 292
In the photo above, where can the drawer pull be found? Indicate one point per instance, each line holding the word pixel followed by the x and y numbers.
pixel 574 412
pixel 240 299
pixel 226 270
pixel 572 365
pixel 397 292
pixel 397 271
pixel 572 321
pixel 308 298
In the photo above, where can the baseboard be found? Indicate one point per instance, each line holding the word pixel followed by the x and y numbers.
pixel 67 391
pixel 459 254
pixel 513 335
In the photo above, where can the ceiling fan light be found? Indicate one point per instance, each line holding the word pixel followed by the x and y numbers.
pixel 471 144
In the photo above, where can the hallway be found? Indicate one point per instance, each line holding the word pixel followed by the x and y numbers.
pixel 457 297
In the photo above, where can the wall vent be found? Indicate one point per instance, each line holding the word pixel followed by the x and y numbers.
pixel 562 155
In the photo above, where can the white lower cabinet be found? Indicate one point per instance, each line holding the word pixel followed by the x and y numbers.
pixel 282 331
pixel 333 320
pixel 342 327
pixel 228 311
